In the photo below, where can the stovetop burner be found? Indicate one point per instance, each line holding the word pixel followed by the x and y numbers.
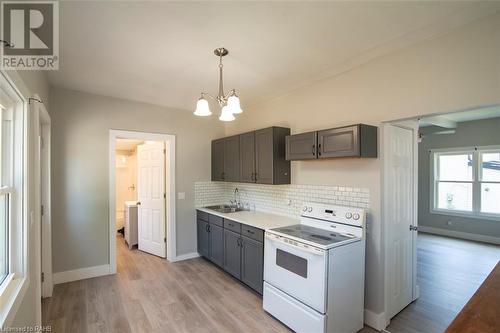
pixel 312 234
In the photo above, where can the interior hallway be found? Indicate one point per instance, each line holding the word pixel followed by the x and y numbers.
pixel 151 295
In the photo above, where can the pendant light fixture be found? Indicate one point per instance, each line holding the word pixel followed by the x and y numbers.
pixel 230 103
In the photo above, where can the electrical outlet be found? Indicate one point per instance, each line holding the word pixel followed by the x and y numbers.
pixel 449 223
pixel 181 195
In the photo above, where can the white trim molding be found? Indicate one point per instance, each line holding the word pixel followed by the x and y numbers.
pixel 170 201
pixel 459 234
pixel 187 256
pixel 81 273
pixel 376 320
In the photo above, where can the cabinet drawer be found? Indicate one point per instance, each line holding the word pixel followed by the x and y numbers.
pixel 216 220
pixel 252 232
pixel 233 226
pixel 201 215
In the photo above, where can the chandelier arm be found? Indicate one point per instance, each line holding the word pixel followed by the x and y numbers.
pixel 212 97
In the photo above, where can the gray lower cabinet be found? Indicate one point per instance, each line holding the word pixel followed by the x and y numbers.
pixel 235 247
pixel 203 238
pixel 232 253
pixel 216 244
pixel 301 146
pixel 218 160
pixel 252 263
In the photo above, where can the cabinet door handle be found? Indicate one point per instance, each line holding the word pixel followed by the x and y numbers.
pixel 206 228
pixel 314 150
pixel 250 232
pixel 319 149
pixel 223 175
pixel 255 174
pixel 238 242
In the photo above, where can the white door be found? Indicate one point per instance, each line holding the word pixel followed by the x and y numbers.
pixel 150 197
pixel 400 203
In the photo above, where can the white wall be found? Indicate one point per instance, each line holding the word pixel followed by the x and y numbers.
pixel 81 124
pixel 456 71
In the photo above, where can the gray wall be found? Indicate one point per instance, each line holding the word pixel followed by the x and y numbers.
pixel 471 133
pixel 80 129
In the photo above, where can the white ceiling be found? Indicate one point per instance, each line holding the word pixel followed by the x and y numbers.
pixel 127 144
pixel 461 116
pixel 161 52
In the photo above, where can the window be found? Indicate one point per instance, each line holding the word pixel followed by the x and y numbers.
pixel 466 181
pixel 13 175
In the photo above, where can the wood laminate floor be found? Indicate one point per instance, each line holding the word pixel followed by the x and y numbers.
pixel 148 294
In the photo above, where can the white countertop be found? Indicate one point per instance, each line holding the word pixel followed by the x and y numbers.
pixel 255 219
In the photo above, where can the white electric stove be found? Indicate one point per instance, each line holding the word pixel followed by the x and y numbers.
pixel 314 271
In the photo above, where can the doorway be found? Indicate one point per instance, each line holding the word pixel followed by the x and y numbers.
pixel 442 173
pixel 142 192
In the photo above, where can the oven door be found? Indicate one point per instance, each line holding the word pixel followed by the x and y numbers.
pixel 297 269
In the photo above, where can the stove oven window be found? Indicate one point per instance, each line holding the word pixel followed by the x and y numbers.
pixel 291 262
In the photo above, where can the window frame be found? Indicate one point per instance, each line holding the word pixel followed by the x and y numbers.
pixel 476 181
pixel 15 284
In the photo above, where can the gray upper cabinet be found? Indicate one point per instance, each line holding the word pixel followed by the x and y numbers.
pixel 254 157
pixel 264 156
pixel 271 167
pixel 301 146
pixel 350 141
pixel 247 157
pixel 218 160
pixel 252 263
pixel 232 158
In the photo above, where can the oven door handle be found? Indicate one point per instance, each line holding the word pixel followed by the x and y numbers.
pixel 309 249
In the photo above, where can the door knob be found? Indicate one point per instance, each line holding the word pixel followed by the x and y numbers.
pixel 138 203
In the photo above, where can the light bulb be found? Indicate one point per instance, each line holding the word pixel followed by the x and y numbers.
pixel 202 108
pixel 226 114
pixel 233 103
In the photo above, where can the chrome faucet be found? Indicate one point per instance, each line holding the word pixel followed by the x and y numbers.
pixel 237 199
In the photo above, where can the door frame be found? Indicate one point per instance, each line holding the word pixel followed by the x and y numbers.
pixel 411 124
pixel 170 217
pixel 41 176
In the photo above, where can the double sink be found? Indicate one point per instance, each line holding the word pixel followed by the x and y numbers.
pixel 225 208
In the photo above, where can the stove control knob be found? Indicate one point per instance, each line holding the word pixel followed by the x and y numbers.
pixel 355 216
pixel 348 215
pixel 310 209
pixel 304 209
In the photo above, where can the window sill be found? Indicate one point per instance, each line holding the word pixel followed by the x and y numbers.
pixel 12 292
pixel 469 215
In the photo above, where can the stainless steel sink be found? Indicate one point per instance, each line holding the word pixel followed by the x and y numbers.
pixel 224 208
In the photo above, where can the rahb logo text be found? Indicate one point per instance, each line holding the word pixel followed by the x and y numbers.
pixel 30 35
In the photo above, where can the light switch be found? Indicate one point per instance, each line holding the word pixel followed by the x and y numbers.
pixel 181 195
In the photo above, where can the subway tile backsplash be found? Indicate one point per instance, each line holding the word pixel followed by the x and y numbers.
pixel 279 199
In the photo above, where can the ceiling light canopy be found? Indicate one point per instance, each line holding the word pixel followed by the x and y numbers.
pixel 230 103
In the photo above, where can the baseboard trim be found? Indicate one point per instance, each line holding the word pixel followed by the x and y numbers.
pixel 187 256
pixel 375 320
pixel 81 273
pixel 459 234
